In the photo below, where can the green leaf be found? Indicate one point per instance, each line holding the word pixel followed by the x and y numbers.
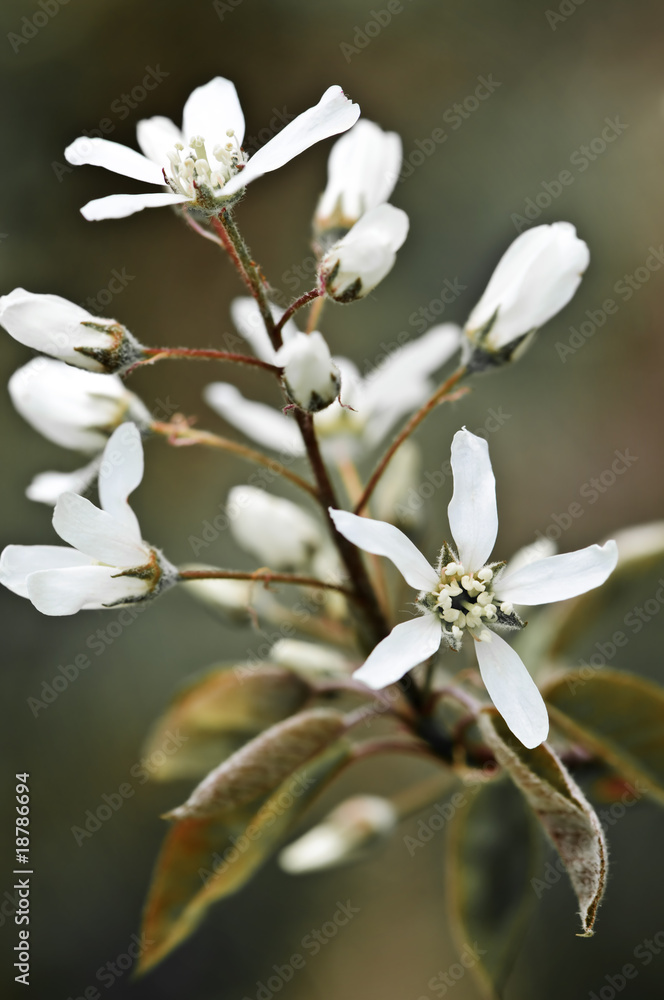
pixel 206 859
pixel 562 809
pixel 491 855
pixel 619 716
pixel 217 713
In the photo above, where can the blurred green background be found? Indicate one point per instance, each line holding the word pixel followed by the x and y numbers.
pixel 561 77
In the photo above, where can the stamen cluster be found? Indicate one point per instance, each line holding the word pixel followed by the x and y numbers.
pixel 191 168
pixel 466 601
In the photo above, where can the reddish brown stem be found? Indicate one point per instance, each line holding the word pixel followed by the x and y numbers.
pixel 203 354
pixel 314 293
pixel 266 576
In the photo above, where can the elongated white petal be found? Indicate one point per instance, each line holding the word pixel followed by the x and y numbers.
pixel 512 690
pixel 261 423
pixel 383 539
pixel 407 645
pixel 53 325
pixel 362 170
pixel 334 113
pixel 47 487
pixel 277 531
pixel 119 206
pixel 157 138
pixel 19 561
pixel 249 323
pixel 559 577
pixel 415 361
pixel 95 532
pixel 120 473
pixel 113 156
pixel 210 111
pixel 66 591
pixel 472 512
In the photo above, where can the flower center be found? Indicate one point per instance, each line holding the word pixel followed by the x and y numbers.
pixel 191 168
pixel 466 600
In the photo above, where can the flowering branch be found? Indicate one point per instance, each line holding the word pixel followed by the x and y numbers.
pixel 204 354
pixel 267 576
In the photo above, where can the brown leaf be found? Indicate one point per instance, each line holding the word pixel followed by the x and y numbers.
pixel 561 807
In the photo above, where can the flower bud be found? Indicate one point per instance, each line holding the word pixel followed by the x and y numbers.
pixel 276 531
pixel 534 280
pixel 73 408
pixel 359 261
pixel 311 378
pixel 350 830
pixel 362 170
pixel 63 330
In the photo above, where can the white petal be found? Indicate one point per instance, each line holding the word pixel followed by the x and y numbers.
pixel 640 542
pixel 249 322
pixel 334 113
pixel 48 486
pixel 541 549
pixel 407 645
pixel 95 532
pixel 113 156
pixel 277 531
pixel 512 690
pixel 210 111
pixel 120 473
pixel 366 254
pixel 472 512
pixel 383 539
pixel 19 561
pixel 362 170
pixel 157 138
pixel 66 591
pixel 416 360
pixel 53 325
pixel 310 376
pixel 119 206
pixel 559 577
pixel 263 424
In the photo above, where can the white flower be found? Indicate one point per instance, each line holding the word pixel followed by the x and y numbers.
pixel 204 162
pixel 279 533
pixel 311 378
pixel 357 263
pixel 362 170
pixel 465 594
pixel 309 659
pixel 373 404
pixel 535 278
pixel 63 330
pixel 109 563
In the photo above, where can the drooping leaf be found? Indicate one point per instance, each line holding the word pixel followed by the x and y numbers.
pixel 619 716
pixel 491 854
pixel 561 807
pixel 217 713
pixel 259 766
pixel 206 859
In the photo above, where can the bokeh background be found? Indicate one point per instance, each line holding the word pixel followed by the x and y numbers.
pixel 561 76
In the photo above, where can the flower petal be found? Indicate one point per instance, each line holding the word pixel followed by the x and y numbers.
pixel 558 577
pixel 157 138
pixel 472 512
pixel 415 361
pixel 249 323
pixel 53 325
pixel 119 206
pixel 512 690
pixel 269 427
pixel 407 645
pixel 19 561
pixel 95 532
pixel 334 113
pixel 121 472
pixel 210 111
pixel 66 591
pixel 383 539
pixel 48 486
pixel 363 168
pixel 113 156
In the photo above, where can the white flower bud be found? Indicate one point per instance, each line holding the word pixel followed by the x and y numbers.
pixel 358 262
pixel 63 330
pixel 73 408
pixel 534 280
pixel 351 829
pixel 309 659
pixel 311 378
pixel 276 531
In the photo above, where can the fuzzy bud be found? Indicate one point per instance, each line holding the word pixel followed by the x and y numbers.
pixel 360 261
pixel 311 378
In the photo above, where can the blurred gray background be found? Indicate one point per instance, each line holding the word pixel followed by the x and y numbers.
pixel 560 76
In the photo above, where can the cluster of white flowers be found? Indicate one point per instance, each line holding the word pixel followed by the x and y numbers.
pixel 76 398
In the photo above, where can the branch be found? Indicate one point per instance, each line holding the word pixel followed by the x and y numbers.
pixel 267 576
